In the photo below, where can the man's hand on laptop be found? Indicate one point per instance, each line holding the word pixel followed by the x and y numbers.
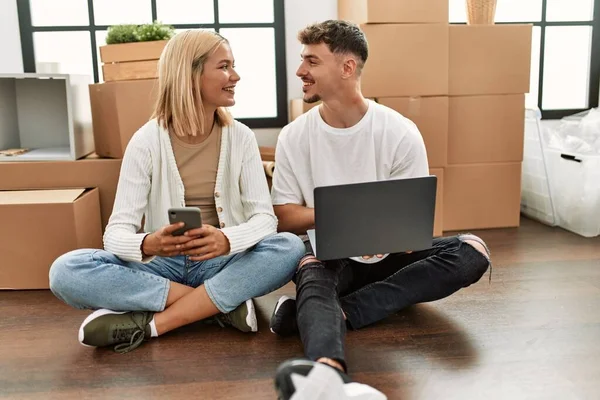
pixel 369 257
pixel 381 255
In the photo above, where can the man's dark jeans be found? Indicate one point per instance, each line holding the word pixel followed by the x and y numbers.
pixel 370 292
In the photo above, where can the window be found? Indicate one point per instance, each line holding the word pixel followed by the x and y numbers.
pixel 565 59
pixel 63 36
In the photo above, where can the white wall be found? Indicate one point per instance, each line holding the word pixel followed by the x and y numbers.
pixel 298 14
pixel 10 42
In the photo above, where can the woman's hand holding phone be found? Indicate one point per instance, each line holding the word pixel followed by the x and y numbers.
pixel 162 242
pixel 206 243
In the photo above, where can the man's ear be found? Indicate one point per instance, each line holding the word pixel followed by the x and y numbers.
pixel 349 68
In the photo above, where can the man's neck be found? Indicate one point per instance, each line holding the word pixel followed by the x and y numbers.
pixel 344 111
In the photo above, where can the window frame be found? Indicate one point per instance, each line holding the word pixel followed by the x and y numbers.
pixel 27 30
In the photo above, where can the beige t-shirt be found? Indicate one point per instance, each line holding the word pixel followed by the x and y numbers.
pixel 197 164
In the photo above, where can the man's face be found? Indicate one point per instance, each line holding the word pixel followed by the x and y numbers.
pixel 320 72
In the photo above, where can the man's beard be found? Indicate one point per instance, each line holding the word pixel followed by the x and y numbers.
pixel 313 99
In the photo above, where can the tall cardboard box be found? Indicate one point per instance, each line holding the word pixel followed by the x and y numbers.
pixel 430 114
pixel 393 11
pixel 438 222
pixel 39 226
pixel 119 109
pixel 481 196
pixel 489 59
pixel 486 129
pixel 406 60
pixel 88 172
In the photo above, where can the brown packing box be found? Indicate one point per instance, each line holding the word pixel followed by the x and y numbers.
pixel 492 59
pixel 406 60
pixel 89 173
pixel 39 226
pixel 137 60
pixel 299 107
pixel 438 222
pixel 480 196
pixel 393 11
pixel 130 70
pixel 430 114
pixel 486 129
pixel 119 109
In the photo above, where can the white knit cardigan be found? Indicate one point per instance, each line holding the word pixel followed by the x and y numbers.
pixel 149 184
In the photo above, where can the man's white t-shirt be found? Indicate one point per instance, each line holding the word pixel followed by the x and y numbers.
pixel 310 153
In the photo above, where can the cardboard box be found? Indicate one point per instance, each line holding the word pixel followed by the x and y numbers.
pixel 406 60
pixel 48 115
pixel 119 109
pixel 126 61
pixel 299 107
pixel 430 114
pixel 481 196
pixel 486 129
pixel 267 153
pixel 38 227
pixel 438 222
pixel 393 11
pixel 88 173
pixel 137 51
pixel 489 59
pixel 130 70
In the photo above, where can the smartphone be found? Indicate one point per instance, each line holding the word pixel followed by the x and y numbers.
pixel 190 216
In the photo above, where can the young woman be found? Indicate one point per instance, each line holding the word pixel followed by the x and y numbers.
pixel 192 153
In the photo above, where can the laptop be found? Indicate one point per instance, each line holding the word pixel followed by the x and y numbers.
pixel 371 218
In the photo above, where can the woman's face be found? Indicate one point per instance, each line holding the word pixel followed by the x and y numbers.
pixel 219 78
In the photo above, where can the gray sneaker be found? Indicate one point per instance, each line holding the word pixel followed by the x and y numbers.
pixel 242 318
pixel 124 330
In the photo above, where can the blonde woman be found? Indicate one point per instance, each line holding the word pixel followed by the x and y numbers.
pixel 192 153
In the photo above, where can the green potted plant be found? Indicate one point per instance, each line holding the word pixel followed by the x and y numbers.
pixel 132 51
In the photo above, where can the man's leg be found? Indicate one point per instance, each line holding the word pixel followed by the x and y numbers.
pixel 319 316
pixel 401 280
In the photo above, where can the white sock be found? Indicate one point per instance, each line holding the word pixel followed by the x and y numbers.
pixel 153 332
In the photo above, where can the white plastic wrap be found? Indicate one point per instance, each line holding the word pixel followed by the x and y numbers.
pixel 579 133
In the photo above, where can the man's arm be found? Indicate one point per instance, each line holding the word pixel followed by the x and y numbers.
pixel 295 218
pixel 288 201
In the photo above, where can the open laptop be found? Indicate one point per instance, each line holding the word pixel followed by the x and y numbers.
pixel 373 218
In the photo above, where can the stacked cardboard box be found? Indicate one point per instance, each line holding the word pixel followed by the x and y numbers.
pixel 489 76
pixel 42 220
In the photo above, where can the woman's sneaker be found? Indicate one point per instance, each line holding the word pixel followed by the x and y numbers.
pixel 242 318
pixel 124 330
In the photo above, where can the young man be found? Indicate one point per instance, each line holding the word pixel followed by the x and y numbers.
pixel 350 139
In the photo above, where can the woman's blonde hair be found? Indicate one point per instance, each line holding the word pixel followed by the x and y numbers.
pixel 179 106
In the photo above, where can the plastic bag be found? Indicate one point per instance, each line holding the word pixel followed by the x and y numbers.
pixel 579 133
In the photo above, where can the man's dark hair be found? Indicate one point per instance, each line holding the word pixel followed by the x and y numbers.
pixel 340 36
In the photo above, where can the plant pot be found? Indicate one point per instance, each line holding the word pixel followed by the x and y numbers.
pixel 127 61
pixel 481 12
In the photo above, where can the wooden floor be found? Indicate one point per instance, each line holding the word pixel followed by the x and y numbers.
pixel 534 333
